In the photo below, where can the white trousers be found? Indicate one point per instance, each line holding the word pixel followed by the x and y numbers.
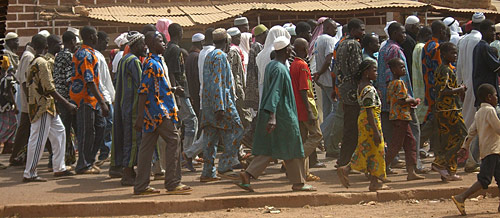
pixel 52 128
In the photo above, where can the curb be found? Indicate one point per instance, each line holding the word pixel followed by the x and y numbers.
pixel 145 207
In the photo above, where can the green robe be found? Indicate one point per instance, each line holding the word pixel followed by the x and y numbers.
pixel 284 142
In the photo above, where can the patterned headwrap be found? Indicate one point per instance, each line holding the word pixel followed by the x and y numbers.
pixel 133 37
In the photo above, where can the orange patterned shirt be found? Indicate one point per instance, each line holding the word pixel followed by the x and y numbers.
pixel 86 71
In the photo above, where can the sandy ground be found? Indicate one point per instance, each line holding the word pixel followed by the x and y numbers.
pixel 483 208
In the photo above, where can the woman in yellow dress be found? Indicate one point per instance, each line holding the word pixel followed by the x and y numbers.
pixel 369 154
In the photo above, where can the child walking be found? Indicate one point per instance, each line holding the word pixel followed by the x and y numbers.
pixel 400 104
pixel 487 125
pixel 369 154
pixel 452 130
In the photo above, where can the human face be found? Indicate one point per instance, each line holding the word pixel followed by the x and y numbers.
pixel 139 48
pixel 13 44
pixel 158 44
pixel 93 39
pixel 56 47
pixel 306 35
pixel 236 39
pixel 489 36
pixel 102 44
pixel 372 72
pixel 358 33
pixel 451 56
pixel 244 28
pixel 289 50
pixel 399 70
pixel 400 35
pixel 492 99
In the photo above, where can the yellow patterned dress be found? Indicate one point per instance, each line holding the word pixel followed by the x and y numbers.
pixel 452 130
pixel 369 157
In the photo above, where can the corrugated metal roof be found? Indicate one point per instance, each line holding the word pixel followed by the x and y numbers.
pixel 466 10
pixel 190 14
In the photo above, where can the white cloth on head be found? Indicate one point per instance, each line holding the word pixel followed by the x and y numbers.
pixel 121 39
pixel 201 60
pixel 478 17
pixel 464 73
pixel 116 61
pixel 454 29
pixel 245 49
pixel 264 57
pixel 412 20
pixel 11 35
pixel 233 31
pixel 105 82
pixel 198 37
pixel 44 33
pixel 386 28
pixel 281 43
pixel 325 44
pixel 240 21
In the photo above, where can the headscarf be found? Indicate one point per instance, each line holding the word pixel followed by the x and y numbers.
pixel 454 29
pixel 133 37
pixel 264 57
pixel 245 45
pixel 121 39
pixel 162 27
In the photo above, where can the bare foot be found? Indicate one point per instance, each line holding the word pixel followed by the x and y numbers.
pixel 245 178
pixel 414 176
pixel 378 186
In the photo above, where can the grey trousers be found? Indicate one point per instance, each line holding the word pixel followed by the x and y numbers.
pixel 311 138
pixel 294 168
pixel 171 156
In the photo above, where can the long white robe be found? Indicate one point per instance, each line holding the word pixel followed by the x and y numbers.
pixel 464 73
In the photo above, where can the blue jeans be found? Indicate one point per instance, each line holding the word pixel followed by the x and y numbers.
pixel 105 147
pixel 190 121
pixel 90 135
pixel 329 112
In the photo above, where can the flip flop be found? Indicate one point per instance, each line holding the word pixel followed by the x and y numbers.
pixel 460 206
pixel 305 188
pixel 383 187
pixel 343 178
pixel 247 187
pixel 180 190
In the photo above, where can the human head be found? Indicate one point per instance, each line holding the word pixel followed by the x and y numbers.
pixel 89 36
pixel 397 66
pixel 136 43
pixel 260 33
pixel 54 44
pixel 175 31
pixel 487 30
pixel 356 28
pixel 12 40
pixel 367 69
pixel 412 24
pixel 102 41
pixel 303 30
pixel 371 43
pixel 397 32
pixel 439 30
pixel 301 46
pixel 424 34
pixel 448 52
pixel 39 43
pixel 242 24
pixel 154 41
pixel 148 28
pixel 282 47
pixel 312 23
pixel 220 38
pixel 69 41
pixel 330 27
pixel 198 39
pixel 477 18
pixel 487 94
pixel 235 34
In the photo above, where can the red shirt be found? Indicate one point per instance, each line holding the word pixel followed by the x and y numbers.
pixel 301 76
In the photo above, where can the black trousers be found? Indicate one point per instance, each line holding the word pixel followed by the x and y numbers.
pixel 350 135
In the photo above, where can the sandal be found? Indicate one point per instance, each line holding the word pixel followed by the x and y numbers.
pixel 312 178
pixel 381 187
pixel 460 206
pixel 148 191
pixel 305 188
pixel 209 179
pixel 179 190
pixel 444 173
pixel 229 175
pixel 247 187
pixel 343 176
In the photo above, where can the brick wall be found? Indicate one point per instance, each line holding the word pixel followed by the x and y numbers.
pixel 461 3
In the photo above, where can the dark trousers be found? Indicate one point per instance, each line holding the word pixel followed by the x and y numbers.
pixel 490 167
pixel 350 135
pixel 402 137
pixel 69 121
pixel 90 134
pixel 22 136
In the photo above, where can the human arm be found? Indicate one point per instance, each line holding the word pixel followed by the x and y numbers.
pixel 141 104
pixel 377 137
pixel 303 96
pixel 95 92
pixel 324 67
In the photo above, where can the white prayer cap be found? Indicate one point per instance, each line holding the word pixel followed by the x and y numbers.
pixel 478 17
pixel 412 20
pixel 497 28
pixel 44 33
pixel 240 21
pixel 281 43
pixel 121 39
pixel 233 31
pixel 198 37
pixel 11 35
pixel 449 21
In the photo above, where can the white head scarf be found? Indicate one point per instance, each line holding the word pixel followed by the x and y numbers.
pixel 264 57
pixel 245 45
pixel 454 29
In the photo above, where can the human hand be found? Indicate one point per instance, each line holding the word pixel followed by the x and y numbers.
pixel 271 124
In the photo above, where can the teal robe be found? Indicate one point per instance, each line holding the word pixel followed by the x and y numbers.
pixel 284 142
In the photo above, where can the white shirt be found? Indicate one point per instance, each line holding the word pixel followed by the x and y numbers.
pixel 117 59
pixel 325 44
pixel 487 126
pixel 105 83
pixel 201 60
pixel 464 73
pixel 24 66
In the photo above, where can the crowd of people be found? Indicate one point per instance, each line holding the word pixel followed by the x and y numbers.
pixel 156 107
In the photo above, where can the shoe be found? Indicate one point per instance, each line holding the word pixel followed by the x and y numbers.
pixel 422 170
pixel 64 173
pixel 92 170
pixel 318 165
pixel 148 191
pixel 474 169
pixel 2 166
pixel 34 179
pixel 209 179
